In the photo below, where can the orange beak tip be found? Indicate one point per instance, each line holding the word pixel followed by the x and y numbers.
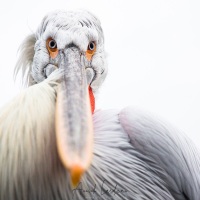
pixel 76 173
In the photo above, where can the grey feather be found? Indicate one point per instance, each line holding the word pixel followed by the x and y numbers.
pixel 24 63
pixel 173 151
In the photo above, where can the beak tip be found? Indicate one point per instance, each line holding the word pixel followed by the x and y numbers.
pixel 76 173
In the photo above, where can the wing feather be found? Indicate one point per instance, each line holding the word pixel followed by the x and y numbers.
pixel 173 151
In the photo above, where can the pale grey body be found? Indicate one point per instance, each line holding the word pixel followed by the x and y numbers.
pixel 135 155
pixel 145 158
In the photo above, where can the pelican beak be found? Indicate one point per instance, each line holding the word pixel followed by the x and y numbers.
pixel 74 130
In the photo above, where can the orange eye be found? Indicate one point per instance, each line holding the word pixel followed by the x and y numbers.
pixel 90 50
pixel 52 47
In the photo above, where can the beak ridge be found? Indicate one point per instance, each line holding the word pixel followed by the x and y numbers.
pixel 74 131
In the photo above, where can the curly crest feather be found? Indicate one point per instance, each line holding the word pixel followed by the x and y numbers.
pixel 23 65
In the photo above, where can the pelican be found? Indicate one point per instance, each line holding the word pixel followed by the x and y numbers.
pixel 54 145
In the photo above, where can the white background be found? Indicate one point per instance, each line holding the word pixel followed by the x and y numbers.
pixel 153 53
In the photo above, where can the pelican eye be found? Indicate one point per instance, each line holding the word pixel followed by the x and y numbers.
pixel 52 47
pixel 91 46
pixel 90 50
pixel 52 44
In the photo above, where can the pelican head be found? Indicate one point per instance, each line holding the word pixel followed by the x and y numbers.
pixel 73 43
